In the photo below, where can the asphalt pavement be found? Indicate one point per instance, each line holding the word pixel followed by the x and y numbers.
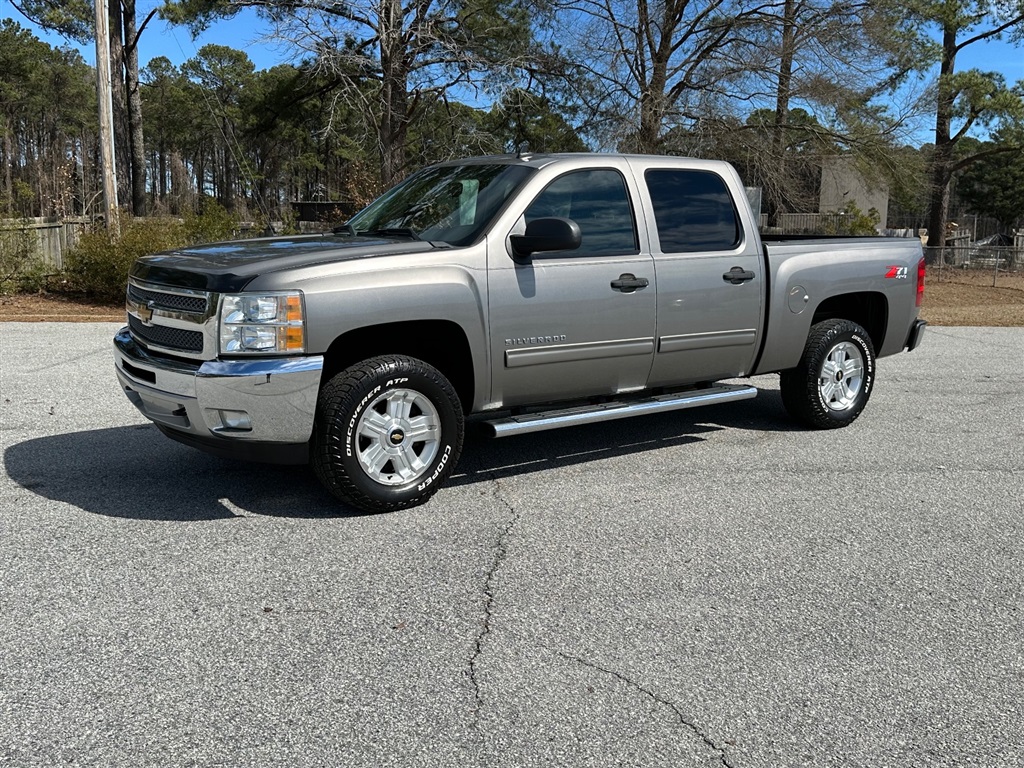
pixel 711 588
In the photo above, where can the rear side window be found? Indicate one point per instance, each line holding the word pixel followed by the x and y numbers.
pixel 597 200
pixel 693 210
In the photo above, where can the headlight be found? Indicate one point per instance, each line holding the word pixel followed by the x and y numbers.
pixel 271 323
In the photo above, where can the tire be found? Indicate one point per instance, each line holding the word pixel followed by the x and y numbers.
pixel 366 418
pixel 833 380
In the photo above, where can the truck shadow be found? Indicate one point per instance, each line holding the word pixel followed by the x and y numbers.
pixel 137 473
pixel 485 459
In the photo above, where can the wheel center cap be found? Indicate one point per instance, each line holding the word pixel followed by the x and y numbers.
pixel 397 437
pixel 839 375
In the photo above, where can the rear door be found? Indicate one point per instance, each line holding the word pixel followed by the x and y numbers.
pixel 567 324
pixel 710 275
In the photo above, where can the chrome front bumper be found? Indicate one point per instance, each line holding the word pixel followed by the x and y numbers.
pixel 224 401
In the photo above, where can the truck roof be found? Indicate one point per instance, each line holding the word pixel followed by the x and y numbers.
pixel 541 159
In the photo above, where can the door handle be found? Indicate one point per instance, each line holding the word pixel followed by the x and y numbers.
pixel 738 275
pixel 628 282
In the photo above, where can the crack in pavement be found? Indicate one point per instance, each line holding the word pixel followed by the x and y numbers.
pixel 500 550
pixel 59 363
pixel 664 702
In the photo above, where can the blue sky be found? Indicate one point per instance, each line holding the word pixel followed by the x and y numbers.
pixel 161 39
pixel 245 31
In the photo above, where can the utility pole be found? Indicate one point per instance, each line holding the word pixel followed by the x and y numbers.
pixel 103 91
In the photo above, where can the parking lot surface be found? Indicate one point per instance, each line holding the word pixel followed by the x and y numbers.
pixel 711 588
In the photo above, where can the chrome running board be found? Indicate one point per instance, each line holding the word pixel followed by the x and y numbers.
pixel 618 409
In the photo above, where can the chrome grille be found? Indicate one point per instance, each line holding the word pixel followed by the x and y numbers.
pixel 171 301
pixel 177 320
pixel 166 337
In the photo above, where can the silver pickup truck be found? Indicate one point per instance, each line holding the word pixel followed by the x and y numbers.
pixel 525 293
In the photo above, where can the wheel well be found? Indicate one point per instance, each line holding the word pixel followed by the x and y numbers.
pixel 869 310
pixel 440 343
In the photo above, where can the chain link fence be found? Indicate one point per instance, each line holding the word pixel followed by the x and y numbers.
pixel 951 260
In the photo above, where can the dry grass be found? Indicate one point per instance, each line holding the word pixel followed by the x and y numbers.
pixel 952 298
pixel 955 297
pixel 56 307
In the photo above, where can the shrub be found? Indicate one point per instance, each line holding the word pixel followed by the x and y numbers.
pixel 211 224
pixel 852 221
pixel 22 269
pixel 98 266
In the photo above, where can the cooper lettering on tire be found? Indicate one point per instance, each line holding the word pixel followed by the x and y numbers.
pixel 388 433
pixel 833 380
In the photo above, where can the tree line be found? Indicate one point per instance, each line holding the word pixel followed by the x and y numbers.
pixel 378 88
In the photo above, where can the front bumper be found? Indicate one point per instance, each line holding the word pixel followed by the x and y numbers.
pixel 222 403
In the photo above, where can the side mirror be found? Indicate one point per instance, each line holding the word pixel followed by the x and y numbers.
pixel 547 234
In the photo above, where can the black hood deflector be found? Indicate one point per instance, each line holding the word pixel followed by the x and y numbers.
pixel 230 266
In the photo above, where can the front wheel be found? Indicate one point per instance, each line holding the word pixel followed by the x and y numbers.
pixel 388 433
pixel 832 382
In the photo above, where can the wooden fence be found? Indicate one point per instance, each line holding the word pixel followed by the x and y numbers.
pixel 53 238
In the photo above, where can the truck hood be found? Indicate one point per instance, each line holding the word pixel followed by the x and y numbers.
pixel 230 266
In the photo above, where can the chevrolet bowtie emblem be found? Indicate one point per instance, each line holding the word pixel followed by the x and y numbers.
pixel 145 313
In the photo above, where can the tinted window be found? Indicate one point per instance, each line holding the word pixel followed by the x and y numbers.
pixel 599 203
pixel 693 210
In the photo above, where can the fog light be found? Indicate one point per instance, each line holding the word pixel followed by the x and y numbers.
pixel 237 421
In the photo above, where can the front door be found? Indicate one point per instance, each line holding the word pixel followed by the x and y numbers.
pixel 573 323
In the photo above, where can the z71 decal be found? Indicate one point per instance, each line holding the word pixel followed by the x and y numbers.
pixel 897 273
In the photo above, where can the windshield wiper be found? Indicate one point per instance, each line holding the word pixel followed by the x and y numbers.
pixel 389 232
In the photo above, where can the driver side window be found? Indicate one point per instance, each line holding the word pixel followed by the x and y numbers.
pixel 597 200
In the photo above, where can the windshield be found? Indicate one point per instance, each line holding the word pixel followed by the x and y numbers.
pixel 451 204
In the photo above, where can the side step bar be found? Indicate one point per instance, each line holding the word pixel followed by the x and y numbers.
pixel 619 409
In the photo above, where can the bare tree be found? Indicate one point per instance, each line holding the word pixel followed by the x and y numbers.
pixel 724 77
pixel 840 61
pixel 647 68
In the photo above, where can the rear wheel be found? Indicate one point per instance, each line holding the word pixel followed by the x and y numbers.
pixel 388 433
pixel 833 380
